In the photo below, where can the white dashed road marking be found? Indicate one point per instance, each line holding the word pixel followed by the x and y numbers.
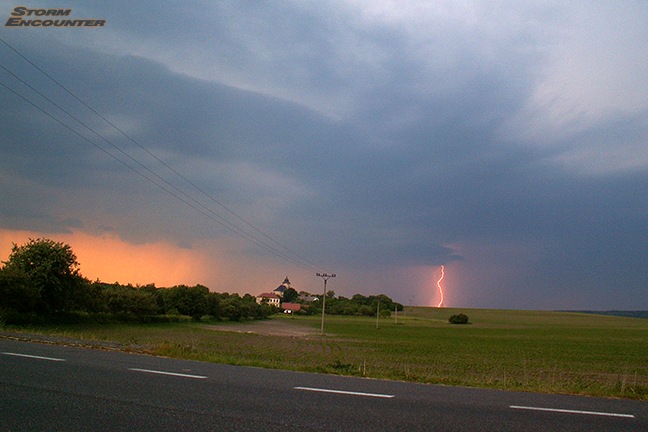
pixel 566 411
pixel 168 373
pixel 33 356
pixel 378 395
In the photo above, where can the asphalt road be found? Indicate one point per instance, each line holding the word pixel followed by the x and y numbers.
pixel 56 388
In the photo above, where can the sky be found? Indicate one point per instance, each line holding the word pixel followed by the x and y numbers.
pixel 234 143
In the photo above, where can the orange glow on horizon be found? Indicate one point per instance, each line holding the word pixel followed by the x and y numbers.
pixel 111 259
pixel 216 264
pixel 439 286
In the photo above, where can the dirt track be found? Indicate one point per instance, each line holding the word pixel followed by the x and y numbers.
pixel 267 327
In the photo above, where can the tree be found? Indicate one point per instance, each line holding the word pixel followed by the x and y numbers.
pixel 16 293
pixel 365 310
pixel 290 295
pixel 231 308
pixel 51 269
pixel 190 301
pixel 360 299
pixel 213 305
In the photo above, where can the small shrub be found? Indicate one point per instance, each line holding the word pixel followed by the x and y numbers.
pixel 458 319
pixel 342 367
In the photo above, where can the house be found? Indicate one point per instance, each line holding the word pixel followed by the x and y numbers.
pixel 290 308
pixel 281 289
pixel 275 298
pixel 270 298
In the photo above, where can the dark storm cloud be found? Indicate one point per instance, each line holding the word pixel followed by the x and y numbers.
pixel 360 140
pixel 174 116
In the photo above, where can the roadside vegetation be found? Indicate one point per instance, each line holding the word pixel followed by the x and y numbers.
pixel 552 352
pixel 41 283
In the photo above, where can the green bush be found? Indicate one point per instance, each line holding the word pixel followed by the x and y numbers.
pixel 458 319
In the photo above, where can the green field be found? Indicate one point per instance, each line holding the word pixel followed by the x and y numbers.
pixel 515 350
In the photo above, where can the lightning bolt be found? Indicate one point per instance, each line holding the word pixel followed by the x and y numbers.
pixel 439 286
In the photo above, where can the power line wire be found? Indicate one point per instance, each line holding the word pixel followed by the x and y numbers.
pixel 184 178
pixel 203 209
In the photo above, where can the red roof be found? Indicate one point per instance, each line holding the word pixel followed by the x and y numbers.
pixel 268 295
pixel 291 306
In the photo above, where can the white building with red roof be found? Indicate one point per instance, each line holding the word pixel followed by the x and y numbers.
pixel 270 298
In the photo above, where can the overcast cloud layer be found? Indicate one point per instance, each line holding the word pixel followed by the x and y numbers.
pixel 378 140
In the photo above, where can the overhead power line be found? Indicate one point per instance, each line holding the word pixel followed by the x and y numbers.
pixel 169 188
pixel 199 207
pixel 162 162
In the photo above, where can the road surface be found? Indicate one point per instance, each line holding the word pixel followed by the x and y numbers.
pixel 57 388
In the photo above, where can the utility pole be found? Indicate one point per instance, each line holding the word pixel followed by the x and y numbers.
pixel 326 277
pixel 377 313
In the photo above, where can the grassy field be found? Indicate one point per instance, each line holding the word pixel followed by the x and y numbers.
pixel 514 350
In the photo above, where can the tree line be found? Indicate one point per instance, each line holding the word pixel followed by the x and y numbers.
pixel 42 280
pixel 358 305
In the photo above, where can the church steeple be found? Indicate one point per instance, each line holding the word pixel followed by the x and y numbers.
pixel 281 289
